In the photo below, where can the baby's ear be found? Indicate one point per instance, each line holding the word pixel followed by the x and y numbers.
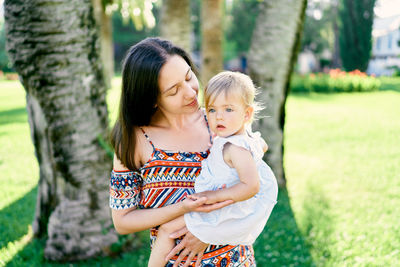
pixel 249 113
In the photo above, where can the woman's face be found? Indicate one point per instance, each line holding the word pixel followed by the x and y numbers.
pixel 178 87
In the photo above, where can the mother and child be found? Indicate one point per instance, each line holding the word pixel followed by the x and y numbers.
pixel 204 199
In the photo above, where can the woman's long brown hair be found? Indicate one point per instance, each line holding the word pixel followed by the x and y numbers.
pixel 140 72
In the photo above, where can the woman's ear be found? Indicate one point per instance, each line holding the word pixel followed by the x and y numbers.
pixel 248 114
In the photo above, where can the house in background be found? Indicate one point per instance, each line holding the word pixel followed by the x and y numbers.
pixel 386 46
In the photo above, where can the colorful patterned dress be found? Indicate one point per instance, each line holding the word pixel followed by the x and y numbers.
pixel 167 178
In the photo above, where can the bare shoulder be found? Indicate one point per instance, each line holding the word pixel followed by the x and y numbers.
pixel 233 149
pixel 142 149
pixel 233 153
pixel 118 165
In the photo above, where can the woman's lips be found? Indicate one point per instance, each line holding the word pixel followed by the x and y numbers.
pixel 193 103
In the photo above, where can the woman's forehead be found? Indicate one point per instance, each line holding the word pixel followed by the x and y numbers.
pixel 173 71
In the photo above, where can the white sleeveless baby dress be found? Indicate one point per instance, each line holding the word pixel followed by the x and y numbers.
pixel 241 222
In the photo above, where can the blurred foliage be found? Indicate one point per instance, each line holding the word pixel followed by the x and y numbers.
pixel 240 20
pixel 195 18
pixel 335 81
pixel 125 35
pixel 318 33
pixel 137 11
pixel 355 33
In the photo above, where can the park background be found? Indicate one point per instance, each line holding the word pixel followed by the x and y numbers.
pixel 340 202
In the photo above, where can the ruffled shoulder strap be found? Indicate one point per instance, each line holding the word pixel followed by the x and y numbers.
pixel 249 143
pixel 237 140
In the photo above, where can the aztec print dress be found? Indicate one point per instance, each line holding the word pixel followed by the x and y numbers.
pixel 167 178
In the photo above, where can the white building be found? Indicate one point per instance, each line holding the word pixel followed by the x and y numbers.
pixel 386 46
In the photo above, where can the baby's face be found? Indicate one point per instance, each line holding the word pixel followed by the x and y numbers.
pixel 227 115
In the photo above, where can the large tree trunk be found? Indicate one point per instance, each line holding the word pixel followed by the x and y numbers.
pixel 107 48
pixel 273 51
pixel 175 22
pixel 211 46
pixel 54 47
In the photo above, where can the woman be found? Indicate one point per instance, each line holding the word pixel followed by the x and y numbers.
pixel 160 139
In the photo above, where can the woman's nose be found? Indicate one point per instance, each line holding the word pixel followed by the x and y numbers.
pixel 189 91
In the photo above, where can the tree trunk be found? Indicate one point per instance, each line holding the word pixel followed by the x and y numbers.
pixel 211 46
pixel 55 49
pixel 107 48
pixel 336 61
pixel 273 51
pixel 175 22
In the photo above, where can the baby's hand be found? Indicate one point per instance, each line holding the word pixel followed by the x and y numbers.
pixel 211 196
pixel 192 203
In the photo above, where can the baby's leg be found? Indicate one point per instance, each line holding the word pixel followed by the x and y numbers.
pixel 164 244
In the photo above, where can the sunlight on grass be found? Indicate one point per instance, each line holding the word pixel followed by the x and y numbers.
pixel 8 252
pixel 343 176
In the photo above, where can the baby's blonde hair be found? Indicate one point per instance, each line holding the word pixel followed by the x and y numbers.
pixel 229 83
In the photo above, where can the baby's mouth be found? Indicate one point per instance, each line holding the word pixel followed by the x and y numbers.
pixel 220 127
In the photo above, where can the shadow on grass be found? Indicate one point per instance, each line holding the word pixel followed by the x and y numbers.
pixel 15 218
pixel 33 255
pixel 318 225
pixel 281 243
pixel 13 115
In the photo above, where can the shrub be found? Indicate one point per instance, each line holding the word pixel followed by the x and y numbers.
pixel 335 81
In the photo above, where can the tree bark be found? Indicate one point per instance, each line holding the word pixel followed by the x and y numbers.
pixel 211 46
pixel 107 48
pixel 175 22
pixel 55 49
pixel 273 51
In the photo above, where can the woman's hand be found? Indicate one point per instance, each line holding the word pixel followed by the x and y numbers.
pixel 189 246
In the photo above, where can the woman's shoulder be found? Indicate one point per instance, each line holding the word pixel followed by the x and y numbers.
pixel 142 149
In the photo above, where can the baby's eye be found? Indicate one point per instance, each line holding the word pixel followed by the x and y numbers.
pixel 229 110
pixel 211 110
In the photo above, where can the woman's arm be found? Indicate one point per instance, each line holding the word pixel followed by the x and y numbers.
pixel 249 185
pixel 132 220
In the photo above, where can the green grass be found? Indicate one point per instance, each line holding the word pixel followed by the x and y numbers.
pixel 342 203
pixel 343 176
pixel 390 83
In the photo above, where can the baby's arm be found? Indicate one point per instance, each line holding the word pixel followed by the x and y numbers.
pixel 164 244
pixel 249 185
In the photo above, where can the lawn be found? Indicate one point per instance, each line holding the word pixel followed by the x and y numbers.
pixel 341 206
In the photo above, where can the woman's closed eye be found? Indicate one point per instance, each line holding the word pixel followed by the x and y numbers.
pixel 173 91
pixel 189 76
